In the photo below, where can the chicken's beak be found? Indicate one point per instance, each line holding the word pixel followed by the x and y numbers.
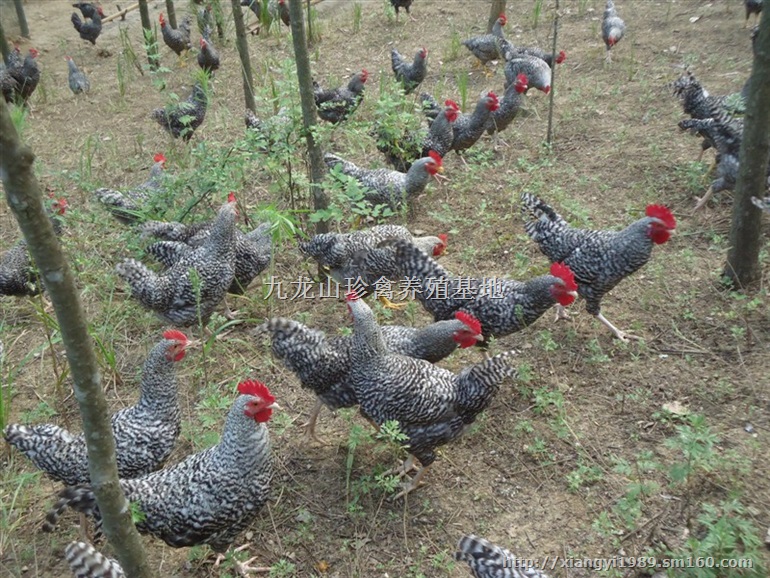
pixel 274 405
pixel 573 293
pixel 478 337
pixel 193 343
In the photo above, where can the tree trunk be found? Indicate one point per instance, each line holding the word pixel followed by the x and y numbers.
pixel 22 18
pixel 549 134
pixel 243 51
pixel 742 266
pixel 4 48
pixel 25 199
pixel 150 41
pixel 498 7
pixel 171 13
pixel 309 112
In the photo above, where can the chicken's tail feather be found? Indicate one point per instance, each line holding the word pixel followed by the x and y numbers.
pixel 86 562
pixel 80 499
pixel 546 218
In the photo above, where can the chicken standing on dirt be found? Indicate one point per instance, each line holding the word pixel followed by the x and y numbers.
pixel 179 296
pixel 177 39
pixel 208 498
pixel 91 28
pixel 599 259
pixel 613 28
pixel 468 128
pixel 323 365
pixel 509 51
pixel 431 405
pixel 208 57
pixel 536 70
pixel 510 105
pixel 410 75
pixel 20 79
pixel 338 104
pixel 78 80
pixel 406 5
pixel 183 118
pixel 145 434
pixel 489 561
pixel 127 206
pixel 387 187
pixel 485 47
pixel 85 561
pixel 502 306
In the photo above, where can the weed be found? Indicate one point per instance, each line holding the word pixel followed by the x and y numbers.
pixel 356 18
pixel 455 47
pixel 537 11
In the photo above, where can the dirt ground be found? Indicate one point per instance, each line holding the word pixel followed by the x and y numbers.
pixel 546 471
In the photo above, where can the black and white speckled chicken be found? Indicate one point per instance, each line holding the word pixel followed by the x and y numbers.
pixel 489 561
pixel 508 51
pixel 468 128
pixel 613 28
pixel 599 259
pixel 208 498
pixel 763 204
pixel 20 78
pixel 18 276
pixel 323 365
pixel 85 561
pixel 410 75
pixel 485 47
pixel 338 104
pixel 189 291
pixel 181 119
pixel 536 70
pixel 388 187
pixel 431 405
pixel 91 28
pixel 208 56
pixel 145 434
pixel 77 79
pixel 510 105
pixel 128 206
pixel 502 306
pixel 177 39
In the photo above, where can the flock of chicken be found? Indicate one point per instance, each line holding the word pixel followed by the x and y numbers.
pixel 388 372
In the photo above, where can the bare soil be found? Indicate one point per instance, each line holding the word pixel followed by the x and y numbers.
pixel 616 149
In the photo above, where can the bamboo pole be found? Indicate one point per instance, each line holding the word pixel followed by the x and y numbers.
pixel 120 14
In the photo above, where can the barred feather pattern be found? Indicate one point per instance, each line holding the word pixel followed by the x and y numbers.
pixel 177 39
pixel 145 434
pixel 467 129
pixel 599 259
pixel 183 118
pixel 89 29
pixel 127 206
pixel 338 104
pixel 763 204
pixel 410 75
pixel 484 47
pixel 440 135
pixel 78 80
pixel 509 51
pixel 385 186
pixel 613 26
pixel 431 404
pixel 487 560
pixel 87 562
pixel 510 105
pixel 178 296
pixel 537 70
pixel 723 135
pixel 208 498
pixel 513 305
pixel 18 275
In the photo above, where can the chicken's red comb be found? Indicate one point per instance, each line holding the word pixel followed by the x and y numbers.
pixel 67 58
pixel 351 295
pixel 503 18
pixel 469 321
pixel 364 74
pixel 231 198
pixel 663 213
pixel 61 205
pixel 202 42
pixel 436 157
pixel 493 98
pixel 444 238
pixel 175 335
pixel 564 273
pixel 452 104
pixel 257 389
pixel 159 158
pixel 161 19
pixel 562 56
pixel 424 52
pixel 100 11
pixel 33 52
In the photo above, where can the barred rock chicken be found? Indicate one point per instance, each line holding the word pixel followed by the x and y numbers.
pixel 283 13
pixel 205 21
pixel 127 206
pixel 278 128
pixel 357 257
pixel 85 561
pixel 145 434
pixel 511 103
pixel 489 561
pixel 208 498
pixel 19 80
pixel 599 259
pixel 613 28
pixel 752 7
pixel 18 276
pixel 387 187
pixel 338 104
pixel 536 70
pixel 441 134
pixel 183 118
pixel 485 47
pixel 323 365
pixel 208 56
pixel 177 39
pixel 502 306
pixel 508 51
pixel 406 5
pixel 177 295
pixel 432 405
pixel 763 204
pixel 410 75
pixel 91 28
pixel 78 80
pixel 468 129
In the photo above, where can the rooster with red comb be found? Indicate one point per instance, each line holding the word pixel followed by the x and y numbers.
pixel 599 259
pixel 485 47
pixel 209 497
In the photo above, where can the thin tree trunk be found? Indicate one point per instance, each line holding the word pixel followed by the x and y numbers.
pixel 4 48
pixel 549 134
pixel 309 112
pixel 22 18
pixel 498 7
pixel 150 41
pixel 171 13
pixel 25 199
pixel 243 51
pixel 742 266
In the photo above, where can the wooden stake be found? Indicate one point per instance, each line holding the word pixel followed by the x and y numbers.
pixel 120 14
